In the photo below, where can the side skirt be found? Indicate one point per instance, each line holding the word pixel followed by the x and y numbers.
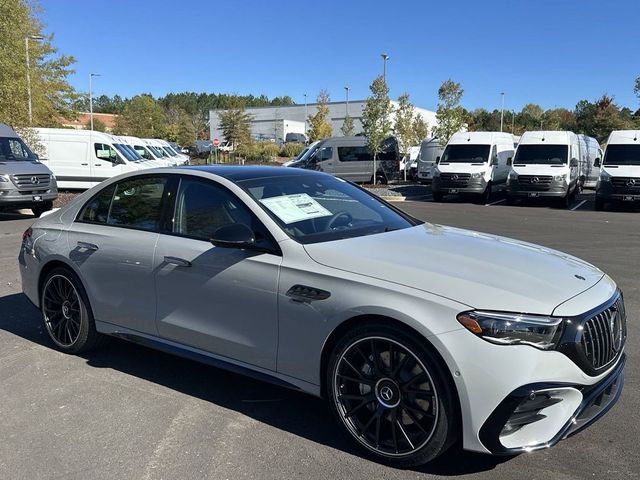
pixel 211 359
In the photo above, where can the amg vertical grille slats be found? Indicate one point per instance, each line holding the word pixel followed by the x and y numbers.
pixel 598 342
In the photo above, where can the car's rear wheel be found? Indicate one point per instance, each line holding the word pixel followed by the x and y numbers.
pixel 66 313
pixel 390 395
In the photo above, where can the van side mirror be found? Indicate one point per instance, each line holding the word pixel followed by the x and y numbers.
pixel 573 162
pixel 494 161
pixel 597 162
pixel 437 160
pixel 510 161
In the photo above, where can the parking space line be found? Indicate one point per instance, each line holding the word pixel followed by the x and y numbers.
pixel 494 203
pixel 579 205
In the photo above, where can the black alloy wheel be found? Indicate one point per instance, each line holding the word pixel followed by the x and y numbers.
pixel 67 319
pixel 390 401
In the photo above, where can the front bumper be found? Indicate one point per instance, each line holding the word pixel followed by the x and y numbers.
pixel 608 191
pixel 557 190
pixel 523 405
pixel 14 198
pixel 472 186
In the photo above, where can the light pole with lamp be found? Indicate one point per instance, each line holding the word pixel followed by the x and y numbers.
pixel 91 75
pixel 502 112
pixel 26 49
pixel 346 89
pixel 385 57
pixel 305 113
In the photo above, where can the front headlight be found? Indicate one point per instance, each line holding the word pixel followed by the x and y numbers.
pixel 502 328
pixel 513 175
pixel 604 177
pixel 477 175
pixel 436 172
pixel 4 178
pixel 560 178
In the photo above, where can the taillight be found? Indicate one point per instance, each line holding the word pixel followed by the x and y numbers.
pixel 27 234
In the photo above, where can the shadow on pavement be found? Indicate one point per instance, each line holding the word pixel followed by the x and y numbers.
pixel 288 410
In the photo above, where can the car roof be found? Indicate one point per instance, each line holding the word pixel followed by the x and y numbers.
pixel 247 172
pixel 7 131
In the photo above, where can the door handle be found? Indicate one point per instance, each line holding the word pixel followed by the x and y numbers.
pixel 97 164
pixel 88 246
pixel 84 164
pixel 180 262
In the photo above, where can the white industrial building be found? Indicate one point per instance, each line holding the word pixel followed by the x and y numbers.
pixel 275 122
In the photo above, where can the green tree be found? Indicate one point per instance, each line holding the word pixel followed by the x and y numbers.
pixel 347 128
pixel 141 117
pixel 598 119
pixel 50 91
pixel 636 88
pixel 235 123
pixel 531 117
pixel 420 128
pixel 449 115
pixel 410 128
pixel 319 126
pixel 376 119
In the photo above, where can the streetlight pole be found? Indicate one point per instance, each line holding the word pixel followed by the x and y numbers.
pixel 91 75
pixel 385 57
pixel 513 122
pixel 305 113
pixel 502 112
pixel 346 89
pixel 26 49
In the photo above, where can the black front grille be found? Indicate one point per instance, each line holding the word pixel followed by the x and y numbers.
pixel 455 179
pixel 627 183
pixel 604 334
pixel 32 182
pixel 535 182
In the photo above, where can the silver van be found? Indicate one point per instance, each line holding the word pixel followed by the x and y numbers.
pixel 24 181
pixel 349 158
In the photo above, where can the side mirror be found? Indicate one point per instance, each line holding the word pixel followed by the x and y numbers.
pixel 510 161
pixel 494 161
pixel 597 162
pixel 573 162
pixel 36 156
pixel 234 235
pixel 437 160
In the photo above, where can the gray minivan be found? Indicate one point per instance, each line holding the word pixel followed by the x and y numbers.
pixel 24 181
pixel 349 158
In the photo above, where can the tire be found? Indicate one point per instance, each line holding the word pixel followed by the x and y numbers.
pixel 66 314
pixel 390 394
pixel 485 196
pixel 437 196
pixel 600 204
pixel 381 179
pixel 41 208
pixel 509 200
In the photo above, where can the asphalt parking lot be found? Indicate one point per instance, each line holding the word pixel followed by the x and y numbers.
pixel 127 412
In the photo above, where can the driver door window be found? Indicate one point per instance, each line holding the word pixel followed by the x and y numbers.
pixel 105 152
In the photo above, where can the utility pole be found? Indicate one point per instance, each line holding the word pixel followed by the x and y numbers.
pixel 385 57
pixel 513 122
pixel 305 114
pixel 26 49
pixel 502 112
pixel 91 75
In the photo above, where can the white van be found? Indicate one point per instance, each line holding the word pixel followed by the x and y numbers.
pixel 546 164
pixel 430 150
pixel 145 151
pixel 619 179
pixel 81 159
pixel 410 163
pixel 591 156
pixel 473 163
pixel 163 147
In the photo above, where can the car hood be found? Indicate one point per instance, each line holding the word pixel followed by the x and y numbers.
pixel 22 167
pixel 477 269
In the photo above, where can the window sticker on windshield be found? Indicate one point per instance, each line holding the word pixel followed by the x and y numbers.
pixel 294 208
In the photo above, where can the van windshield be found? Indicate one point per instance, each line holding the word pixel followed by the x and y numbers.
pixel 125 152
pixel 157 152
pixel 466 154
pixel 15 150
pixel 622 155
pixel 541 155
pixel 169 152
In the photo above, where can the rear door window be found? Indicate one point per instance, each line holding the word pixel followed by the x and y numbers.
pixel 137 202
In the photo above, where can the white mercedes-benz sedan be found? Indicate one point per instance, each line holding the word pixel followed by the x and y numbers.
pixel 416 334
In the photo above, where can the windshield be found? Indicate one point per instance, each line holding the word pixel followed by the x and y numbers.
pixel 622 155
pixel 541 155
pixel 319 208
pixel 14 149
pixel 170 152
pixel 465 154
pixel 159 153
pixel 126 153
pixel 143 152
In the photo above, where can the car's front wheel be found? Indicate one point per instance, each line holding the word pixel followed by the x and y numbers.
pixel 66 313
pixel 391 396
